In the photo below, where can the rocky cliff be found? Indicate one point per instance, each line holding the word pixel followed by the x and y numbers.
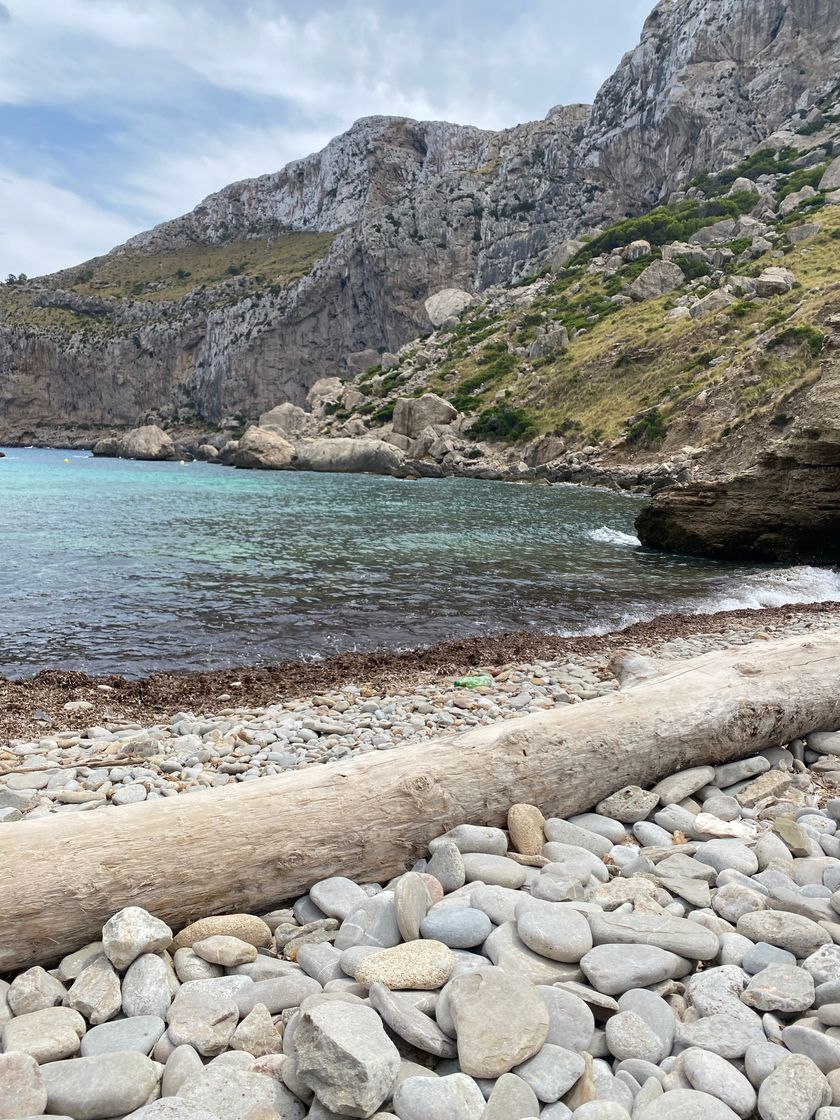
pixel 275 282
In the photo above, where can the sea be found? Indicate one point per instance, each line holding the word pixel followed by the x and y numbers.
pixel 115 566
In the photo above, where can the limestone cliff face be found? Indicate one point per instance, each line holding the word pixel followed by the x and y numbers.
pixel 415 207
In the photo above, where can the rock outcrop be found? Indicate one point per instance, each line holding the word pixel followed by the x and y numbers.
pixel 785 507
pixel 264 449
pixel 413 415
pixel 349 456
pixel 397 211
pixel 148 442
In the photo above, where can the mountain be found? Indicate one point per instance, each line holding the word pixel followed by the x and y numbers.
pixel 275 283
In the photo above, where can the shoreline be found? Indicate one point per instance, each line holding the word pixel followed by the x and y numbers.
pixel 116 699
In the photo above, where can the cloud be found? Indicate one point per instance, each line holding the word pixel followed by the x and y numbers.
pixel 44 227
pixel 142 107
pixel 5 14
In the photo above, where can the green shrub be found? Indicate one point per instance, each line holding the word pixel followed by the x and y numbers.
pixel 693 267
pixel 668 223
pixel 780 420
pixel 502 422
pixel 384 414
pixel 648 431
pixel 812 339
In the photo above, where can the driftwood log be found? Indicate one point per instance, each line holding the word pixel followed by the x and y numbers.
pixel 248 847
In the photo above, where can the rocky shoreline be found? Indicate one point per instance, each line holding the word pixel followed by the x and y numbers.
pixel 77 744
pixel 675 952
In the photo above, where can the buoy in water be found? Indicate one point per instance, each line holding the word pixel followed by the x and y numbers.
pixel 66 460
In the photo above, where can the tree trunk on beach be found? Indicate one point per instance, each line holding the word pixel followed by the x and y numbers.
pixel 248 847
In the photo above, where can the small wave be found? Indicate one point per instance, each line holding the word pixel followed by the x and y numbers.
pixel 777 588
pixel 613 536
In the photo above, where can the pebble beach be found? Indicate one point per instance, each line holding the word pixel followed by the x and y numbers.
pixel 672 953
pixel 91 763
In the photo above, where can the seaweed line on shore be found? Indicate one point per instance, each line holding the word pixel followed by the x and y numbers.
pixel 116 697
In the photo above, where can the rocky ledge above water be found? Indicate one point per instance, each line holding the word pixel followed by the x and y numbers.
pixel 784 507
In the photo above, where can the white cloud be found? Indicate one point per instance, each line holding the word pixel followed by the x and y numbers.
pixel 184 96
pixel 44 227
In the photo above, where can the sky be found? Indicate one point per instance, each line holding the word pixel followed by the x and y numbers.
pixel 118 114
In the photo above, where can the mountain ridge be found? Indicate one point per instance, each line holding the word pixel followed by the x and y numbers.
pixel 410 208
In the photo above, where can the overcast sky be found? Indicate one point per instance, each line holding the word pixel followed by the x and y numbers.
pixel 117 114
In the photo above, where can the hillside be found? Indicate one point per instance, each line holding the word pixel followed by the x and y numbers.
pixel 274 283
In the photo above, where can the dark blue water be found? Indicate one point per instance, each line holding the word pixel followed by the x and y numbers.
pixel 116 566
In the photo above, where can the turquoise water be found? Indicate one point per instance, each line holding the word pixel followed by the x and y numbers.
pixel 117 566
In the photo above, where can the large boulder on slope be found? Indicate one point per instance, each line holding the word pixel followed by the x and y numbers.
pixel 263 449
pixel 658 278
pixel 412 415
pixel 447 304
pixel 349 456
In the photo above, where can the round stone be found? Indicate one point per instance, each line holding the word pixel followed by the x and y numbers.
pixel 224 950
pixel 688 1104
pixel 628 805
pixel 455 1097
pixel 525 825
pixel 762 955
pixel 614 969
pixel 422 965
pixel 131 932
pixel 23 1092
pixel 553 930
pixel 629 1036
pixel 247 927
pixel 495 871
pixel 798 935
pixel 458 927
pixel 709 1073
pixel 412 902
pixel 793 1091
pixel 780 987
pixel 499 1019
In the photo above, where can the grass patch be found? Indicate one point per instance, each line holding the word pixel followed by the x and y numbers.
pixel 170 274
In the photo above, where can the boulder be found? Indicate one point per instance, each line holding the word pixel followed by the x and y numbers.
pixel 287 420
pixel 412 415
pixel 107 448
pixel 560 256
pixel 362 360
pixel 447 304
pixel 263 449
pixel 831 178
pixel 743 184
pixel 715 301
pixel 349 456
pixel 658 278
pixel 805 232
pixel 790 202
pixel 148 442
pixel 774 281
pixel 549 343
pixel 324 391
pixel 635 250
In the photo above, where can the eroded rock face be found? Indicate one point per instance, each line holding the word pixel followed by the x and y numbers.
pixel 784 509
pixel 416 208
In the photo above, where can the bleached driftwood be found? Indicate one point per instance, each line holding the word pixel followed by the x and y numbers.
pixel 247 847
